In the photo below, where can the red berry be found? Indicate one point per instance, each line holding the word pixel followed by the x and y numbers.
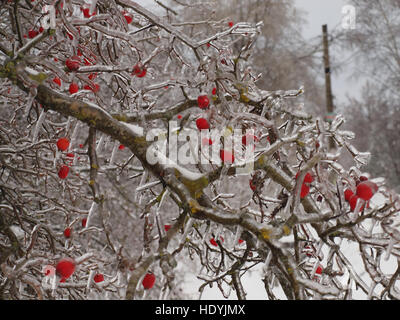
pixel 81 146
pixel 240 241
pixel 65 268
pixel 72 64
pixel 363 178
pixel 213 242
pixel 203 101
pixel 41 29
pixel 67 232
pixel 179 116
pixel 230 23
pixel 136 69
pixel 305 189
pixel 167 227
pixel 70 155
pixel 128 18
pixel 84 221
pixel 348 194
pixel 73 88
pixel 92 76
pixel 252 186
pixel 214 91
pixel 121 147
pixel 226 156
pixel 307 179
pixel 319 270
pixel 62 144
pixel 142 73
pixel 202 124
pixel 79 52
pixel 353 202
pixel 32 33
pixel 366 189
pixel 63 172
pixel 86 12
pixel 57 80
pixel 98 278
pixel 95 87
pixel 149 280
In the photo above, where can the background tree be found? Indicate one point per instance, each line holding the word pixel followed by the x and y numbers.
pixel 374 44
pixel 80 193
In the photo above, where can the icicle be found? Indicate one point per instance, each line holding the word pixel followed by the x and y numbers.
pixel 90 214
pixel 137 196
pixel 371 290
pixel 158 217
pixel 357 209
pixel 188 227
pixel 100 143
pixel 363 158
pixel 114 151
pixel 38 125
pixel 167 65
pixel 68 124
pixel 147 186
pixel 268 260
pixel 236 237
pixel 31 98
pixel 166 292
pixel 75 134
pixel 90 278
pixel 389 248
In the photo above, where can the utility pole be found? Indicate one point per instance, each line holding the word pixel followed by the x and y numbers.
pixel 329 98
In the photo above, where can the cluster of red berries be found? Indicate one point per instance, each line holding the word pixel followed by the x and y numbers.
pixel 62 145
pixel 68 231
pixel 214 242
pixel 128 17
pixel 86 12
pixel 365 190
pixel 67 266
pixel 33 33
pixel 73 63
pixel 227 157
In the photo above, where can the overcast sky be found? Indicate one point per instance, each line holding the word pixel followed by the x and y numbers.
pixel 329 12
